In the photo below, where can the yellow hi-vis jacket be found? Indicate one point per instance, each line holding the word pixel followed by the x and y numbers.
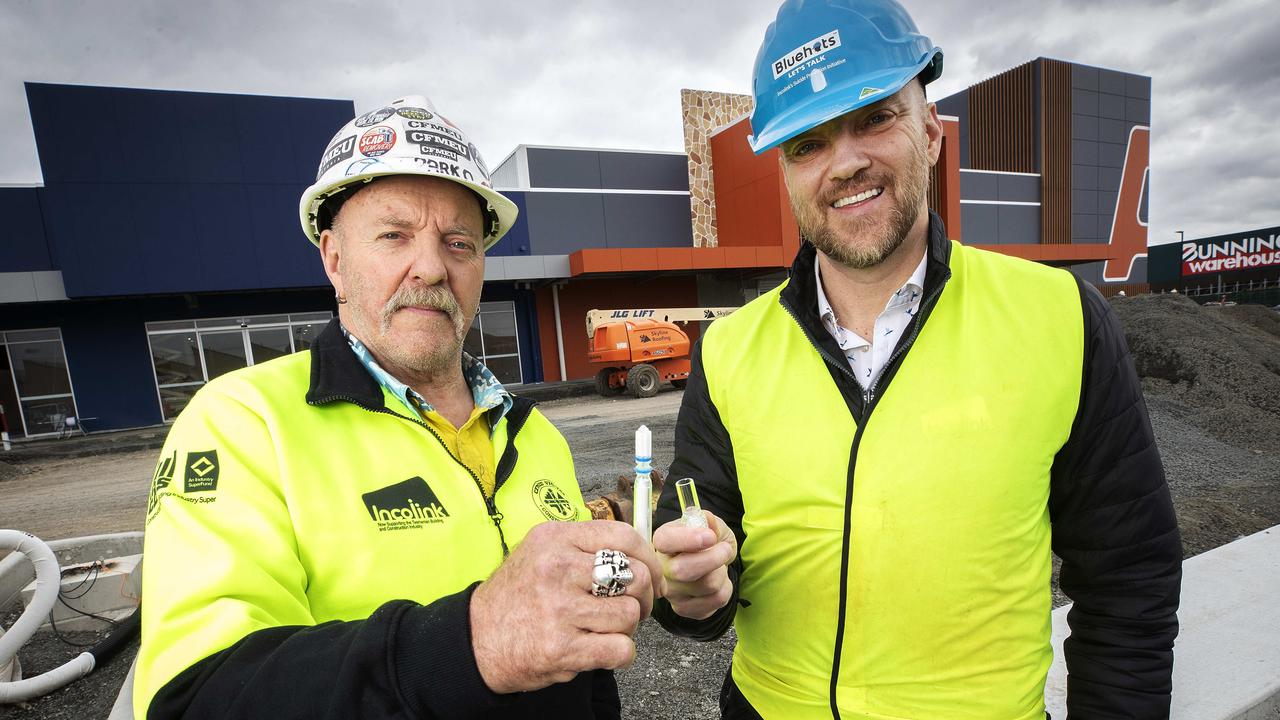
pixel 271 517
pixel 895 541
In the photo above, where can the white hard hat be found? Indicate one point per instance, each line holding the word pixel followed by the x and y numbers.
pixel 404 137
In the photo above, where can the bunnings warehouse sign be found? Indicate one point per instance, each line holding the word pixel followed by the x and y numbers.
pixel 1227 255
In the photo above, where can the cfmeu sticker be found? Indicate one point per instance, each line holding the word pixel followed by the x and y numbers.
pixel 202 472
pixel 552 501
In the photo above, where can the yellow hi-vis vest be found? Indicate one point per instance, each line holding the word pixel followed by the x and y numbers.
pixel 266 511
pixel 939 502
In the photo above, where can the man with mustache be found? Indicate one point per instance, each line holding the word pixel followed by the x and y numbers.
pixel 890 445
pixel 375 527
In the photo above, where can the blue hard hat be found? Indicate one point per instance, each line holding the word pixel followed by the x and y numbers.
pixel 823 58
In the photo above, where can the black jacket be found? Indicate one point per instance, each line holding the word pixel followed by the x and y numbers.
pixel 1112 517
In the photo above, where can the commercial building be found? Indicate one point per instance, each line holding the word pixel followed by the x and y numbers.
pixel 162 249
pixel 1242 266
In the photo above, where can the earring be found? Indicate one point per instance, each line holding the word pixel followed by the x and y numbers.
pixel 342 300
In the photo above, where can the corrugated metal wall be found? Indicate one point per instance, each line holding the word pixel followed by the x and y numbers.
pixel 1055 151
pixel 1002 127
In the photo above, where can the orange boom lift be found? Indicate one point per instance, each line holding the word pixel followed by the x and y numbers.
pixel 640 348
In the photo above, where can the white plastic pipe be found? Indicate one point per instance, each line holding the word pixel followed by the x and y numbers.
pixel 48 584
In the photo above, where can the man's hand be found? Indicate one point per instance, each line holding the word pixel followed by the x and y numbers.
pixel 534 622
pixel 695 565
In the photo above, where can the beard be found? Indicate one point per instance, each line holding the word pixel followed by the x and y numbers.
pixel 867 241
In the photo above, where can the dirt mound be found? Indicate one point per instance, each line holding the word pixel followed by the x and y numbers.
pixel 1218 366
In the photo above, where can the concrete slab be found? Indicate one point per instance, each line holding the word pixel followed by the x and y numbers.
pixel 1227 656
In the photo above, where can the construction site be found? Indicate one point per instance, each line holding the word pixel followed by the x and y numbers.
pixel 1211 376
pixel 123 295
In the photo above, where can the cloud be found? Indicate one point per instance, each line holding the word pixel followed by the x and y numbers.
pixel 609 74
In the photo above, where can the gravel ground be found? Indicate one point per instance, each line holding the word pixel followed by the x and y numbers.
pixel 1212 382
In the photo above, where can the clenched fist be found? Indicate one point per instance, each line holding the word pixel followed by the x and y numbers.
pixel 534 622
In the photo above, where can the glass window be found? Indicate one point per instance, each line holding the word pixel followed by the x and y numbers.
pixel 268 344
pixel 181 368
pixel 32 335
pixel 48 415
pixel 304 335
pixel 39 368
pixel 266 320
pixel 223 352
pixel 175 325
pixel 472 343
pixel 174 398
pixel 176 357
pixel 499 330
pixel 506 369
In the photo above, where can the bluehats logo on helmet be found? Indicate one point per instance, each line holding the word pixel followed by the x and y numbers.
pixel 877 50
pixel 816 46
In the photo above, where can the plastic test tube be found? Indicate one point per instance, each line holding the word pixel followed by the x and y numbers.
pixel 690 511
pixel 642 497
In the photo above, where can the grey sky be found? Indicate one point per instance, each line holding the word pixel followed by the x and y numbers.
pixel 609 74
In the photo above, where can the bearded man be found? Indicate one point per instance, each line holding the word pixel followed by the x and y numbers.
pixel 891 445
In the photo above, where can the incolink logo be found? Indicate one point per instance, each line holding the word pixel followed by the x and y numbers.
pixel 404 506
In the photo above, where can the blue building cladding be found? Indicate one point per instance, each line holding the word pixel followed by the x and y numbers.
pixel 516 241
pixel 150 192
pixel 26 248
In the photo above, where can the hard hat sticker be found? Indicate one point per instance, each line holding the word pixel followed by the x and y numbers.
pixel 374 116
pixel 414 113
pixel 377 141
pixel 810 49
pixel 340 150
pixel 868 92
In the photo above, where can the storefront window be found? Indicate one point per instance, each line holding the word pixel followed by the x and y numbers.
pixel 493 339
pixel 189 353
pixel 35 388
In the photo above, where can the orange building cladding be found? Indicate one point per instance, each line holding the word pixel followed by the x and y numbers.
pixel 751 196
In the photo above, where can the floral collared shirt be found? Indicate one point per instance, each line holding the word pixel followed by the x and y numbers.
pixel 486 391
pixel 868 356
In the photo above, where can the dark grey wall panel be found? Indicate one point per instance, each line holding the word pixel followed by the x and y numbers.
pixel 1084 77
pixel 1111 154
pixel 1137 111
pixel 979 186
pixel 1019 224
pixel 1084 102
pixel 980 224
pixel 595 169
pixel 1110 81
pixel 561 223
pixel 645 171
pixel 1084 127
pixel 1111 106
pixel 1019 188
pixel 1113 131
pixel 1089 272
pixel 1084 201
pixel 1084 177
pixel 554 168
pixel 1084 152
pixel 647 221
pixel 958 106
pixel 1137 86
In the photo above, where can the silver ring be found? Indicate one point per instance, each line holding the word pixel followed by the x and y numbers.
pixel 611 573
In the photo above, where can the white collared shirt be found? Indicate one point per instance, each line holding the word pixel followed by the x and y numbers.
pixel 868 356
